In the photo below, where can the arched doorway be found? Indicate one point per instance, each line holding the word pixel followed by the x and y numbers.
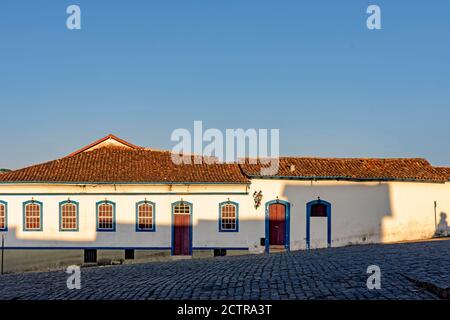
pixel 182 228
pixel 277 224
pixel 318 209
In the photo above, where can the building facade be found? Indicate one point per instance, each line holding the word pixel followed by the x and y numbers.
pixel 115 200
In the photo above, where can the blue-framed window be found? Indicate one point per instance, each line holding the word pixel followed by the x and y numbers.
pixel 106 216
pixel 3 216
pixel 228 216
pixel 145 216
pixel 68 215
pixel 32 215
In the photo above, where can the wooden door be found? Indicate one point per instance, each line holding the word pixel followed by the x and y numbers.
pixel 181 231
pixel 277 224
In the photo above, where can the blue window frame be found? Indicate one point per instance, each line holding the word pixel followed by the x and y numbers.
pixel 318 212
pixel 3 216
pixel 145 216
pixel 68 215
pixel 106 216
pixel 32 215
pixel 228 216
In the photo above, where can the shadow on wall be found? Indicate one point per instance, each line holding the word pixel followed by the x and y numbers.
pixel 357 213
pixel 52 237
pixel 205 234
pixel 33 253
pixel 362 213
pixel 442 228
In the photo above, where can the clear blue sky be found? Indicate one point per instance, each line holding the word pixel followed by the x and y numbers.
pixel 140 69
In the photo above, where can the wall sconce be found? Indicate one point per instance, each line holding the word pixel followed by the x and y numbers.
pixel 257 197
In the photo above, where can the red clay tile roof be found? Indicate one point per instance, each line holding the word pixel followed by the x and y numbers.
pixel 351 169
pixel 123 162
pixel 125 165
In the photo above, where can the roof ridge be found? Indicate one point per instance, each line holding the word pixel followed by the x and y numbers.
pixel 338 159
pixel 99 141
pixel 354 158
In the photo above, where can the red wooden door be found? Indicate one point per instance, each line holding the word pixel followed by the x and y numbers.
pixel 277 219
pixel 181 234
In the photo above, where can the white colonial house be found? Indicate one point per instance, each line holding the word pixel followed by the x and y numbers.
pixel 112 199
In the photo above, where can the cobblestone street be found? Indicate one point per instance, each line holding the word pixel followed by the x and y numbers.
pixel 337 273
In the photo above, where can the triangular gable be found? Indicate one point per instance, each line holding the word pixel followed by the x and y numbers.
pixel 108 141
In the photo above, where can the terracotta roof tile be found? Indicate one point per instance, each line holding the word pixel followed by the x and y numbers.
pixel 351 169
pixel 125 165
pixel 444 171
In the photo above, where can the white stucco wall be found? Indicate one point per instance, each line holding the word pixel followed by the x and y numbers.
pixel 412 211
pixel 361 212
pixel 366 212
pixel 205 200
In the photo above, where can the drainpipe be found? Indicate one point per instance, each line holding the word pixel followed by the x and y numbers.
pixel 3 250
pixel 435 221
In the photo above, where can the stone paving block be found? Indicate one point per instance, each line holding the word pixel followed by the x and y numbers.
pixel 335 273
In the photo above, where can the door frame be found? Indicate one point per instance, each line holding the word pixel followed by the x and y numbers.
pixel 172 245
pixel 308 221
pixel 287 224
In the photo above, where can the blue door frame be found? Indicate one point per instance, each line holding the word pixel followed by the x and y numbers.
pixel 308 222
pixel 287 221
pixel 173 227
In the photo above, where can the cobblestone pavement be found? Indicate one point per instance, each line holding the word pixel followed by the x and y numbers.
pixel 337 273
